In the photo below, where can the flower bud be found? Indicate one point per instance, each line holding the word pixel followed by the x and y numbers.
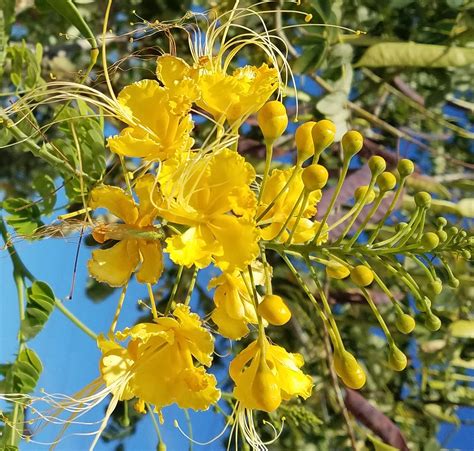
pixel 441 222
pixel 352 143
pixel 323 134
pixel 453 282
pixel 274 310
pixel 397 359
pixel 272 120
pixel 423 304
pixel 360 193
pixel 442 235
pixel 386 181
pixel 453 231
pixel 405 323
pixel 314 177
pixel 265 389
pixel 161 446
pixel 377 164
pixel 400 226
pixel 304 142
pixel 432 322
pixel 337 271
pixel 423 199
pixel 349 370
pixel 405 167
pixel 435 287
pixel 362 275
pixel 466 254
pixel 429 241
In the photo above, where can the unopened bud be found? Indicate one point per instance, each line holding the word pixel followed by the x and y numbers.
pixel 360 193
pixel 272 120
pixel 397 359
pixel 304 142
pixel 405 167
pixel 314 177
pixel 352 143
pixel 423 199
pixel 274 310
pixel 429 241
pixel 432 322
pixel 405 323
pixel 377 165
pixel 435 287
pixel 349 370
pixel 386 181
pixel 323 133
pixel 441 222
pixel 362 275
pixel 337 271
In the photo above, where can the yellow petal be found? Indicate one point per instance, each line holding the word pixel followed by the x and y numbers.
pixel 195 389
pixel 149 198
pixel 135 142
pixel 152 261
pixel 116 201
pixel 229 327
pixel 114 266
pixel 171 69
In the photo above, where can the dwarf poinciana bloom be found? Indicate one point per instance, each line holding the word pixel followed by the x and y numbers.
pixel 160 363
pixel 212 197
pixel 138 240
pixel 273 221
pixel 266 374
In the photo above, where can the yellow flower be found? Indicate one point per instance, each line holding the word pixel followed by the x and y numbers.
pixel 266 374
pixel 138 239
pixel 164 369
pixel 234 97
pixel 212 196
pixel 273 221
pixel 235 308
pixel 158 123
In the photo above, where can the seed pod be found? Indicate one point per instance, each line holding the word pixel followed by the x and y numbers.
pixel 405 323
pixel 304 142
pixel 377 164
pixel 314 177
pixel 323 133
pixel 274 310
pixel 386 181
pixel 352 143
pixel 349 370
pixel 397 359
pixel 360 193
pixel 429 241
pixel 337 271
pixel 423 199
pixel 432 322
pixel 272 120
pixel 405 167
pixel 362 275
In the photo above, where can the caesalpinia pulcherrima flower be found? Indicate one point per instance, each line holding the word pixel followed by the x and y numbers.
pixel 138 240
pixel 210 195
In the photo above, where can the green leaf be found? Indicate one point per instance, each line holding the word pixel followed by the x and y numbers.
pixel 411 54
pixel 7 17
pixel 25 71
pixel 39 305
pixel 462 328
pixel 44 184
pixel 438 412
pixel 24 217
pixel 68 10
pixel 311 57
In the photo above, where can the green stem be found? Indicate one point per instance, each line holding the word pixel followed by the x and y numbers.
pixel 68 314
pixel 266 171
pixel 174 289
pixel 192 283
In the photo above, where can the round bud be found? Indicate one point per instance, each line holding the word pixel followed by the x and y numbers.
pixel 405 323
pixel 400 226
pixel 397 359
pixel 386 181
pixel 435 287
pixel 453 282
pixel 337 271
pixel 442 235
pixel 441 222
pixel 272 120
pixel 304 142
pixel 423 304
pixel 362 275
pixel 429 241
pixel 314 177
pixel 432 322
pixel 323 133
pixel 462 234
pixel 377 164
pixel 352 143
pixel 349 370
pixel 466 254
pixel 452 231
pixel 361 191
pixel 405 167
pixel 423 199
pixel 274 310
pixel 161 446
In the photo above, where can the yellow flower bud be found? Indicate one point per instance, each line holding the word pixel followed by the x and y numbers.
pixel 397 359
pixel 323 134
pixel 441 222
pixel 161 447
pixel 352 143
pixel 349 370
pixel 360 193
pixel 429 241
pixel 423 199
pixel 377 164
pixel 337 271
pixel 274 310
pixel 386 181
pixel 304 142
pixel 432 322
pixel 442 235
pixel 314 177
pixel 405 323
pixel 362 275
pixel 272 120
pixel 405 167
pixel 435 287
pixel 265 388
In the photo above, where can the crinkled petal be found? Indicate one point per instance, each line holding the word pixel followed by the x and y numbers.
pixel 115 266
pixel 195 389
pixel 152 262
pixel 116 201
pixel 233 328
pixel 149 198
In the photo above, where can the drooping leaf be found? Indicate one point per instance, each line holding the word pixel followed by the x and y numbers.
pixel 44 184
pixel 39 305
pixel 412 54
pixel 24 215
